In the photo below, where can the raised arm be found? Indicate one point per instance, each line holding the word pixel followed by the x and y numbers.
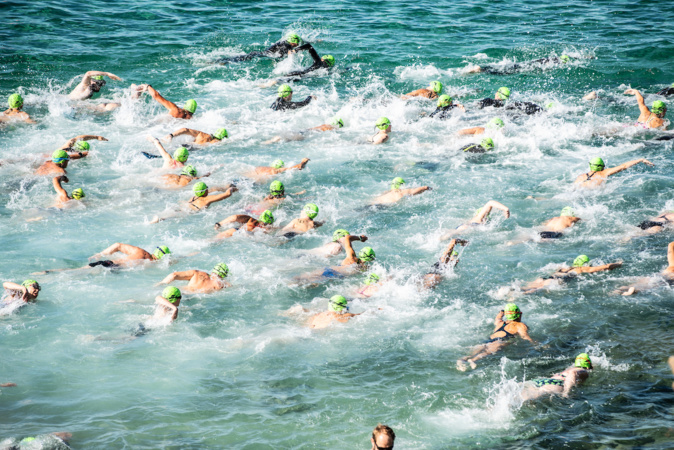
pixel 640 101
pixel 56 182
pixel 348 248
pixel 486 209
pixel 498 320
pixel 14 287
pixel 444 259
pixel 620 168
pixel 98 73
pixel 161 301
pixel 180 132
pixel 161 100
pixel 83 137
pixel 164 153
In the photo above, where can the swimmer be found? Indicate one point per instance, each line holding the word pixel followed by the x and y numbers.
pixel 62 196
pixel 73 148
pixel 657 224
pixel 200 281
pixel 598 171
pixel 171 162
pixel 277 194
pixel 200 138
pixel 167 304
pixel 507 325
pixel 353 263
pixel 554 228
pixel 91 83
pixel 331 248
pixel 371 285
pixel 396 193
pixel 384 127
pixel 285 95
pixel 248 223
pixel 201 199
pixel 493 124
pixel 449 258
pixel 580 265
pixel 57 165
pixel 324 62
pixel 188 174
pixel 278 50
pixel 337 311
pixel 335 124
pixel 499 101
pixel 649 118
pixel 51 441
pixel 186 112
pixel 261 173
pixel 133 256
pixel 667 91
pixel 480 218
pixel 434 89
pixel 559 383
pixel 645 283
pixel 445 106
pixel 304 223
pixel 494 69
pixel 15 113
pixel 484 146
pixel 382 438
pixel 28 290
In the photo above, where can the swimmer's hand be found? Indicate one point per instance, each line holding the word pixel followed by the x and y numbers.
pixel 101 138
pixel 313 97
pixel 152 139
pixel 630 92
pixel 363 238
pixel 64 179
pixel 615 265
pixel 461 241
pixel 647 162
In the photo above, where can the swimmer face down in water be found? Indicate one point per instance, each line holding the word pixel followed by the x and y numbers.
pixel 305 222
pixel 200 281
pixel 397 193
pixel 598 171
pixel 74 148
pixel 185 112
pixel 200 138
pixel 480 218
pixel 580 266
pixel 15 113
pixel 559 383
pixel 62 196
pixel 383 125
pixel 261 173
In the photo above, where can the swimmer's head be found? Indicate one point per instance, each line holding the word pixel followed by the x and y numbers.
pixel 512 312
pixel 200 189
pixel 581 260
pixel 97 82
pixel 549 105
pixel 436 87
pixel 382 123
pixel 338 234
pixel 567 211
pixel 60 157
pixel 285 91
pixel 276 188
pixel 220 134
pixel 221 270
pixel 444 101
pixel 396 183
pixel 82 146
pixel 278 164
pixel 190 105
pixel 329 60
pixel 366 254
pixel 597 164
pixel 583 360
pixel 565 59
pixel 26 440
pixel 495 123
pixel 189 170
pixel 161 251
pixel 503 93
pixel 172 294
pixel 487 143
pixel 659 108
pixel 338 303
pixel 181 154
pixel 337 122
pixel 267 217
pixel 292 38
pixel 31 284
pixel 311 210
pixel 373 278
pixel 15 101
pixel 78 194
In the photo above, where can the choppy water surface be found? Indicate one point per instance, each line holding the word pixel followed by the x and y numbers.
pixel 234 373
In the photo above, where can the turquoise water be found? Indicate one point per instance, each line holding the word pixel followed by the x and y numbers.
pixel 232 372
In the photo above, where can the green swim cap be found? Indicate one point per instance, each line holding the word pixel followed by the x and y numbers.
pixel 512 312
pixel 597 164
pixel 78 194
pixel 567 211
pixel 15 101
pixel 581 261
pixel 503 93
pixel 583 360
pixel 220 134
pixel 549 105
pixel 97 77
pixel 337 122
pixel 200 189
pixel 171 293
pixel 181 154
pixel 221 270
pixel 189 170
pixel 338 234
pixel 60 156
pixel 565 58
pixel 267 217
pixel 495 123
pixel 284 91
pixel 311 210
pixel 338 303
pixel 382 123
pixel 31 283
pixel 293 39
pixel 658 107
pixel 329 59
pixel 397 182
pixel 373 278
pixel 436 87
pixel 191 105
pixel 26 440
pixel 366 254
pixel 161 251
pixel 444 100
pixel 278 164
pixel 82 146
pixel 487 143
pixel 277 188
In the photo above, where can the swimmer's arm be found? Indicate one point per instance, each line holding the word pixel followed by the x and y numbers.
pixel 523 331
pixel 15 287
pixel 239 218
pixel 290 226
pixel 98 73
pixel 56 182
pixel 348 248
pixel 474 130
pixel 186 275
pixel 417 93
pixel 180 132
pixel 164 153
pixel 26 118
pixel 216 198
pixel 87 137
pixel 161 100
pixel 569 382
pixel 318 224
pixel 486 209
pixel 627 165
pixel 415 191
pixel 159 300
pixel 640 101
pixel 498 321
pixel 601 268
pixel 670 254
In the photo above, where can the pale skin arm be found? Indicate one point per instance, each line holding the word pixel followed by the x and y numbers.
pixel 161 100
pixel 82 137
pixel 164 154
pixel 474 130
pixel 569 382
pixel 299 166
pixel 450 248
pixel 486 209
pixel 380 138
pixel 670 254
pixel 186 275
pixel 523 331
pixel 62 194
pixel 640 101
pixel 627 165
pixel 348 248
pixel 97 73
pixel 415 191
pixel 216 198
pixel 117 247
pixel 601 268
pixel 239 218
pixel 16 287
pixel 161 301
pixel 180 132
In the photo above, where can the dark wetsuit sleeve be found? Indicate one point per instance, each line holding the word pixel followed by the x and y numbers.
pixel 318 63
pixel 490 102
pixel 667 91
pixel 472 148
pixel 282 105
pixel 442 112
pixel 280 48
pixel 525 107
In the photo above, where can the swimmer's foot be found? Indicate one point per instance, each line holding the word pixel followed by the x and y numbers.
pixel 461 365
pixel 590 96
pixel 472 364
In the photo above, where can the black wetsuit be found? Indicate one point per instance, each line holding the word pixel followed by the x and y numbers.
pixel 525 107
pixel 106 263
pixel 473 148
pixel 490 102
pixel 318 62
pixel 550 234
pixel 667 91
pixel 277 50
pixel 443 112
pixel 516 67
pixel 282 104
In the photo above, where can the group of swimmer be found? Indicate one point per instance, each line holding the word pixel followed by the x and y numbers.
pixel 260 217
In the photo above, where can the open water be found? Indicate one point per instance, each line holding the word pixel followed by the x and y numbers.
pixel 232 372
